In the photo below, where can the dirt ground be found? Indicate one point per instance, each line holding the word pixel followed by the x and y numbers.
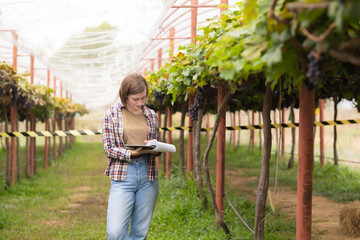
pixel 325 212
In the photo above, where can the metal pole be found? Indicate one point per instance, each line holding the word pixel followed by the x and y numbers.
pixel 168 140
pixel 283 134
pixel 47 128
pixel 13 145
pixel 233 132
pixel 169 113
pixel 32 144
pixel 54 86
pixel 172 35
pixel 158 159
pixel 61 90
pixel 152 62
pixel 322 151
pixel 54 123
pixel 193 20
pixel 159 58
pixel 190 166
pixel 306 160
pixel 32 121
pixel 13 119
pixel 16 38
pixel 31 69
pixel 252 130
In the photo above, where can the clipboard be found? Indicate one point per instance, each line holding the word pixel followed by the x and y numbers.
pixel 149 147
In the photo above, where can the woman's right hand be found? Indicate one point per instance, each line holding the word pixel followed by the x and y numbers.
pixel 139 151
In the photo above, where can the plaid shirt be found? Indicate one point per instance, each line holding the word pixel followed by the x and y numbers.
pixel 114 146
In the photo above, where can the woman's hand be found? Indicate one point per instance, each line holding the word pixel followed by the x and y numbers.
pixel 140 151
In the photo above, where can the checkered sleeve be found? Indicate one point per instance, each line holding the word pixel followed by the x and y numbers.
pixel 112 151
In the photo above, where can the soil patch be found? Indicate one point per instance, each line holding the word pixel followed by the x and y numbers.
pixel 325 212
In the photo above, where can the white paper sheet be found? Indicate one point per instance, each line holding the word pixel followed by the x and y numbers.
pixel 161 147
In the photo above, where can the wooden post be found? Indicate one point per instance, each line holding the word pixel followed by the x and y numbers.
pixel 306 160
pixel 220 149
pixel 168 140
pixel 283 135
pixel 322 151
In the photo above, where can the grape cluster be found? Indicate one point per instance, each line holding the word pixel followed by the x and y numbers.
pixel 198 103
pixel 314 71
pixel 159 96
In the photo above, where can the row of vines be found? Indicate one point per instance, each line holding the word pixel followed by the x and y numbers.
pixel 261 56
pixel 21 101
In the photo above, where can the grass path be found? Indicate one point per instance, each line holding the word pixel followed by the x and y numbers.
pixel 66 201
pixel 325 217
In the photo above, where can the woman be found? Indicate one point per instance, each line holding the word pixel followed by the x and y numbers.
pixel 133 173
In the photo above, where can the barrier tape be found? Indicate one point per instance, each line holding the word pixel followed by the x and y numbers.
pixel 98 131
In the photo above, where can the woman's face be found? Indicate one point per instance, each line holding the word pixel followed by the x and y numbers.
pixel 135 101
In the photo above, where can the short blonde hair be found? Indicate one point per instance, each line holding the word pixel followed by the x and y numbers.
pixel 132 84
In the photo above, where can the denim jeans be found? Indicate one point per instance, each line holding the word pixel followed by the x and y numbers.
pixel 131 203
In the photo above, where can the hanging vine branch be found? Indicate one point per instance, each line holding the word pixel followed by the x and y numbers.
pixel 272 14
pixel 294 6
pixel 265 167
pixel 345 57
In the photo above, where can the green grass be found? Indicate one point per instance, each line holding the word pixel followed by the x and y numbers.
pixel 66 201
pixel 338 183
pixel 69 201
pixel 179 214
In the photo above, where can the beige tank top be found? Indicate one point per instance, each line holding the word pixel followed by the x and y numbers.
pixel 135 127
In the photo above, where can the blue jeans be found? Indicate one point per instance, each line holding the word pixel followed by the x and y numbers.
pixel 131 203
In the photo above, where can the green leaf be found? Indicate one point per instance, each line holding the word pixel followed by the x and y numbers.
pixel 273 55
pixel 254 52
pixel 228 73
